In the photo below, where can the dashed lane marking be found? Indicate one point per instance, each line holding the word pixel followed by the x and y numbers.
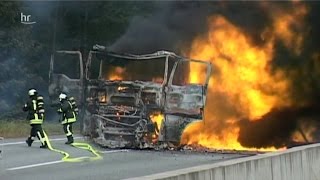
pixel 61 161
pixel 34 165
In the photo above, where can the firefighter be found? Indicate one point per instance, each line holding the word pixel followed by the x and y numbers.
pixel 35 108
pixel 68 111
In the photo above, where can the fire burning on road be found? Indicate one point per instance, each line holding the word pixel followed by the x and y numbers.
pixel 244 85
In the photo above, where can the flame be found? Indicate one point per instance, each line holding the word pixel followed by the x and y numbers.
pixel 243 69
pixel 102 98
pixel 287 26
pixel 194 78
pixel 227 139
pixel 297 136
pixel 158 119
pixel 118 116
pixel 157 80
pixel 116 74
pixel 120 88
pixel 308 130
pixel 243 85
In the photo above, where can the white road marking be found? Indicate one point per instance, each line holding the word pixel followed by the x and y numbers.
pixel 34 165
pixel 114 151
pixel 41 164
pixel 23 142
pixel 60 161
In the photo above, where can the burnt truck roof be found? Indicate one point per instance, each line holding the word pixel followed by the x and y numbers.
pixel 155 55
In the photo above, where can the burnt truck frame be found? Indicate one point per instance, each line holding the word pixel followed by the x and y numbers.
pixel 117 113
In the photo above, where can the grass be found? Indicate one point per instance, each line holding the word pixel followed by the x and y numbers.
pixel 21 128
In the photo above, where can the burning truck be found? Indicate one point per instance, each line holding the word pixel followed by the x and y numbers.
pixel 131 101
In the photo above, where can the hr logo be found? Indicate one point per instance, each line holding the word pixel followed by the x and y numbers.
pixel 26 19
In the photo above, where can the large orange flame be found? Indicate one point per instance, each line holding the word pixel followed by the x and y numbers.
pixel 244 73
pixel 243 84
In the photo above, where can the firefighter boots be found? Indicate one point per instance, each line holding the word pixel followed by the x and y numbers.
pixel 70 140
pixel 44 145
pixel 29 141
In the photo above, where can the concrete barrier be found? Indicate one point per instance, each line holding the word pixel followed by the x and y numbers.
pixel 299 163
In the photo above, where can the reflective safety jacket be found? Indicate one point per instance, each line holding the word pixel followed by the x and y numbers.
pixel 74 105
pixel 67 112
pixel 35 108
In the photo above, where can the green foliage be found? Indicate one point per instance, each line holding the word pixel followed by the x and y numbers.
pixel 21 128
pixel 16 49
pixel 25 49
pixel 95 22
pixel 9 13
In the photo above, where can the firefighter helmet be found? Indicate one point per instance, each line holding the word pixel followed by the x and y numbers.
pixel 32 92
pixel 62 96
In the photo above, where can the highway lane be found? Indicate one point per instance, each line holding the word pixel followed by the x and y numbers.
pixel 21 162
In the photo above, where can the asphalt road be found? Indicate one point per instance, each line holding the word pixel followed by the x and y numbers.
pixel 19 161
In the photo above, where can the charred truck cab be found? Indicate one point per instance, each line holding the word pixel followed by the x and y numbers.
pixel 131 101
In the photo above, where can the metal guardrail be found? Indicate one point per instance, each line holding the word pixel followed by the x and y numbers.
pixel 301 162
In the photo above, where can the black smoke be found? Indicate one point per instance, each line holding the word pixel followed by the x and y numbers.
pixel 176 24
pixel 172 27
pixel 277 127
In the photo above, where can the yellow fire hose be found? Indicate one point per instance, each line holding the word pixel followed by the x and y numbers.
pixel 67 157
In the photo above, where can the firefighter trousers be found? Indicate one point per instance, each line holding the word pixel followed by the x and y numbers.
pixel 67 128
pixel 36 131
